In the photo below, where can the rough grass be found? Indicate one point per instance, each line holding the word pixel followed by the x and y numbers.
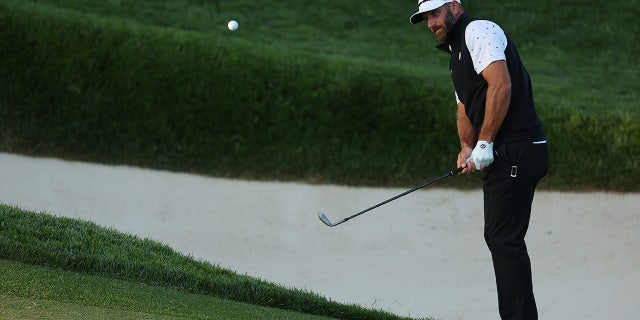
pixel 342 92
pixel 36 292
pixel 86 248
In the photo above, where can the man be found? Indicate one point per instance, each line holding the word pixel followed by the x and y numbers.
pixel 500 134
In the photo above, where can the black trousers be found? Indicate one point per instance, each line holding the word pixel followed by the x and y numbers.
pixel 509 185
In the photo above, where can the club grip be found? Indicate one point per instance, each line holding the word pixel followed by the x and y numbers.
pixel 456 171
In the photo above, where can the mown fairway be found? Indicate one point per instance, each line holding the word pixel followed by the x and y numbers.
pixel 35 292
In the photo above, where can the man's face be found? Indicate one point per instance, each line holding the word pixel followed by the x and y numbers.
pixel 440 21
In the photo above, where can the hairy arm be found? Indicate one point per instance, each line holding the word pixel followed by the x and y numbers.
pixel 467 139
pixel 498 98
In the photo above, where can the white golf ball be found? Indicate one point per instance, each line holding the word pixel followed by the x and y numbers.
pixel 232 25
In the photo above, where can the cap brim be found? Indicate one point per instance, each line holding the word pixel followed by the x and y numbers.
pixel 417 17
pixel 426 7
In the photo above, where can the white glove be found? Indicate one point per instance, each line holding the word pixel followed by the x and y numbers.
pixel 482 154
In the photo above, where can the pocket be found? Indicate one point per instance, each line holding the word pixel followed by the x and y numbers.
pixel 506 161
pixel 537 159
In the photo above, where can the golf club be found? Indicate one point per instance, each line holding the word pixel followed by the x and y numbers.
pixel 326 220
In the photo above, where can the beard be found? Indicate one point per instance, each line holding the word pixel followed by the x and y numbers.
pixel 449 22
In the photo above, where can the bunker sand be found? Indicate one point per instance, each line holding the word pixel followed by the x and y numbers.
pixel 423 255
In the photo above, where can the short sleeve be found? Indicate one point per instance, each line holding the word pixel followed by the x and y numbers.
pixel 486 42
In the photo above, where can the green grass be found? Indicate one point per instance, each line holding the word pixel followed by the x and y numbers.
pixel 342 92
pixel 37 292
pixel 109 270
pixel 566 44
pixel 12 307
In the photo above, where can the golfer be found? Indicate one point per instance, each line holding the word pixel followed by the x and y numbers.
pixel 500 134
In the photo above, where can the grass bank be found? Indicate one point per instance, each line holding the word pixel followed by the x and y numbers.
pixel 342 92
pixel 36 292
pixel 98 270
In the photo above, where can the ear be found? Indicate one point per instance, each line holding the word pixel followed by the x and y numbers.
pixel 456 8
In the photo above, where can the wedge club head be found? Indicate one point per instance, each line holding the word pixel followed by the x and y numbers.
pixel 324 219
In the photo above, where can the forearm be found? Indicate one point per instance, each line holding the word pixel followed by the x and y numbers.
pixel 465 129
pixel 496 109
pixel 467 139
pixel 498 99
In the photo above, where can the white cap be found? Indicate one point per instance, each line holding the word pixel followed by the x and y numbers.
pixel 428 5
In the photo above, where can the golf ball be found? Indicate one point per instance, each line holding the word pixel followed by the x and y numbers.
pixel 232 25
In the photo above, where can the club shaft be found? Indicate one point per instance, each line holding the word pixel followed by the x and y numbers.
pixel 448 174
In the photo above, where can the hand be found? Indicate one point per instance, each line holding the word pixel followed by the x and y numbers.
pixel 464 159
pixel 482 155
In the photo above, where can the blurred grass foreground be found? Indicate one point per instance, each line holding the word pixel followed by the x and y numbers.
pixel 114 271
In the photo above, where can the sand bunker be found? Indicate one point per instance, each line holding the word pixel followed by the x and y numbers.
pixel 418 256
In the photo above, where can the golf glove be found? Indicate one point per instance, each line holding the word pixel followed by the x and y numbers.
pixel 482 154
